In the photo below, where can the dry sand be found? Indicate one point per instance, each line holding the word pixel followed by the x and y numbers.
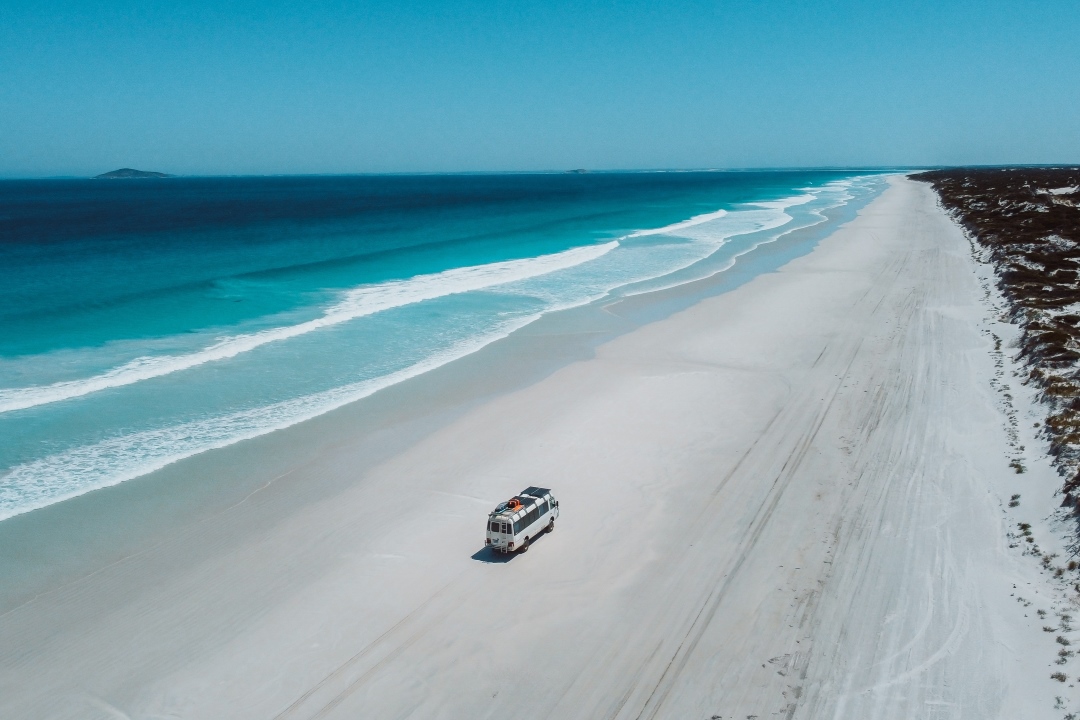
pixel 785 501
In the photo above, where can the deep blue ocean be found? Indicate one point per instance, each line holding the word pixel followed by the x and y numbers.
pixel 145 321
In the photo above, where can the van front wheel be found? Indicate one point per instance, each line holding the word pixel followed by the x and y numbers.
pixel 551 525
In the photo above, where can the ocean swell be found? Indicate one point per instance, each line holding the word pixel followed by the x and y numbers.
pixel 355 303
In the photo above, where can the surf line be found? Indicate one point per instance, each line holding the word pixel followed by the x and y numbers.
pixel 77 471
pixel 355 303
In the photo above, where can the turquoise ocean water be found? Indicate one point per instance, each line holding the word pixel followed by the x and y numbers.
pixel 142 322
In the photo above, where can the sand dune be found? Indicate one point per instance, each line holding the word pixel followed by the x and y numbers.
pixel 784 502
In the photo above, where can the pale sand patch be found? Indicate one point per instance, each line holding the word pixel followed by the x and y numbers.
pixel 784 501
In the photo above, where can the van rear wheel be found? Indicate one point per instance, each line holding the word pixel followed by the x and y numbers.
pixel 524 546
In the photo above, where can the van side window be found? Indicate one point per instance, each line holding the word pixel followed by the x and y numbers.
pixel 517 526
pixel 543 506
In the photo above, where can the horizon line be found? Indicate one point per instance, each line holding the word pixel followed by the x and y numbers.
pixel 572 171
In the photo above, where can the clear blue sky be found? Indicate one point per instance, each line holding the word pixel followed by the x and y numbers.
pixel 332 87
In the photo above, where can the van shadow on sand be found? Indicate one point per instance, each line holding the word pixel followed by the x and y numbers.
pixel 494 557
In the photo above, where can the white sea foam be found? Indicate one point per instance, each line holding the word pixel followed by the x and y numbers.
pixel 355 303
pixel 52 479
pixel 674 227
pixel 769 222
pixel 710 233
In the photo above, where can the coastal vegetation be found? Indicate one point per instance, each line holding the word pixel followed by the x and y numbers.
pixel 1026 223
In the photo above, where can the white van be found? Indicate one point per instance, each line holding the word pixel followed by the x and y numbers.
pixel 517 522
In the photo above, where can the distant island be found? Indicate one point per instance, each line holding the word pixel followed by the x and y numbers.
pixel 126 173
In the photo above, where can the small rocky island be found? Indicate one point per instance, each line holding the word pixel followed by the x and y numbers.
pixel 129 173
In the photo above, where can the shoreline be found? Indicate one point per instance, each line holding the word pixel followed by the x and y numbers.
pixel 781 498
pixel 116 520
pixel 127 448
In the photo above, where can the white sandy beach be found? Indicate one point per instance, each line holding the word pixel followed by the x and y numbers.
pixel 785 501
